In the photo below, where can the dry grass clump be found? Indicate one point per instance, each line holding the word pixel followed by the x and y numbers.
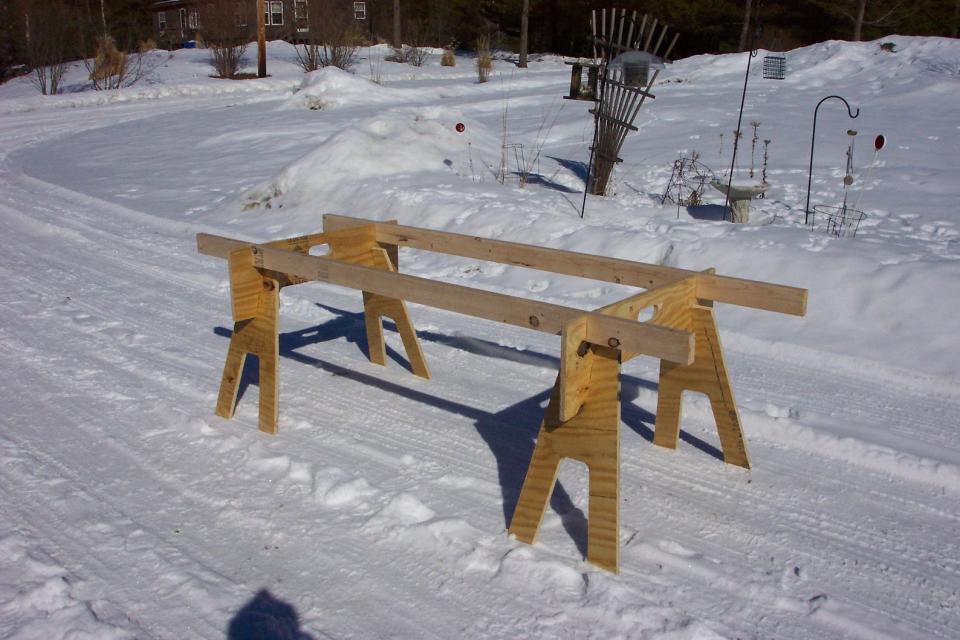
pixel 148 45
pixel 484 59
pixel 108 61
pixel 448 59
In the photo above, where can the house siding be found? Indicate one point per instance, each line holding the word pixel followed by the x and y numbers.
pixel 173 36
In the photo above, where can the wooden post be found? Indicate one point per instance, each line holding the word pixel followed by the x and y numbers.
pixel 255 296
pixel 707 374
pixel 592 436
pixel 256 303
pixel 261 39
pixel 359 246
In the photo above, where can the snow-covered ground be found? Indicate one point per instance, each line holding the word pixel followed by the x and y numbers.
pixel 128 510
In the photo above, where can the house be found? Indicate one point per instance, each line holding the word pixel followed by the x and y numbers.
pixel 179 23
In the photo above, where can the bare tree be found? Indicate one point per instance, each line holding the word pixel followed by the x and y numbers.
pixel 226 32
pixel 878 13
pixel 332 39
pixel 47 32
pixel 524 28
pixel 418 35
pixel 397 42
pixel 745 29
pixel 110 68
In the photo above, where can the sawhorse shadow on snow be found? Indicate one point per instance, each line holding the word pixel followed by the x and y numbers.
pixel 509 433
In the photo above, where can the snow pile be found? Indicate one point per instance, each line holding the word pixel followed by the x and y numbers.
pixel 332 87
pixel 385 146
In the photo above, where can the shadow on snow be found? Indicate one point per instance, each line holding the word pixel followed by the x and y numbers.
pixel 509 433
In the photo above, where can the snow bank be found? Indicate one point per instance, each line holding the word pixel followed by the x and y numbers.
pixel 332 87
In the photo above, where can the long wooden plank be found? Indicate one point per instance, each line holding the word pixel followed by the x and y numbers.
pixel 221 247
pixel 639 337
pixel 746 293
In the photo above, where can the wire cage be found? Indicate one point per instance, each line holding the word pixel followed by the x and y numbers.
pixel 688 181
pixel 839 222
pixel 775 67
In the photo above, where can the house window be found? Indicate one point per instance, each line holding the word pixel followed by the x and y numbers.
pixel 360 10
pixel 274 13
pixel 194 19
pixel 162 20
pixel 300 15
pixel 183 19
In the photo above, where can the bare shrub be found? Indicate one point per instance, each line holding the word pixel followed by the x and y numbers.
pixel 484 59
pixel 547 121
pixel 226 59
pixel 398 54
pixel 225 37
pixel 47 32
pixel 376 68
pixel 332 39
pixel 418 55
pixel 109 67
pixel 417 51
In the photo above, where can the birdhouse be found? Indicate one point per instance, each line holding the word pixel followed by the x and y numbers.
pixel 579 91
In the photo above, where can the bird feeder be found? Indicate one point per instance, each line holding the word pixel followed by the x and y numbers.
pixel 636 67
pixel 577 89
pixel 775 66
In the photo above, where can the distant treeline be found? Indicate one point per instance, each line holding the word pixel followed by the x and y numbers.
pixel 555 26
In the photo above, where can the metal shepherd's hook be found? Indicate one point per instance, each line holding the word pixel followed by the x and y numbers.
pixel 736 134
pixel 813 139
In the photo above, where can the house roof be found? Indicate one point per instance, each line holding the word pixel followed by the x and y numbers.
pixel 164 4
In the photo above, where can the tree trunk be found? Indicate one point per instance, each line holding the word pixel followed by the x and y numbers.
pixel 745 30
pixel 524 23
pixel 103 16
pixel 956 19
pixel 858 21
pixel 396 24
pixel 261 39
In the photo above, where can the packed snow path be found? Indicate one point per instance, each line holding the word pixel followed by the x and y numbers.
pixel 128 510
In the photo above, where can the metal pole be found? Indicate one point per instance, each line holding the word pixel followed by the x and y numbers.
pixel 596 123
pixel 736 135
pixel 813 139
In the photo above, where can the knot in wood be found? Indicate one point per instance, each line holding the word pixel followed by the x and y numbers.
pixel 534 321
pixel 613 342
pixel 268 285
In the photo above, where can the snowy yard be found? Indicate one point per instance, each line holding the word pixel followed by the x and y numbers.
pixel 129 510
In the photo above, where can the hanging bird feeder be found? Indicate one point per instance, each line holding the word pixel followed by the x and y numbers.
pixel 636 67
pixel 775 66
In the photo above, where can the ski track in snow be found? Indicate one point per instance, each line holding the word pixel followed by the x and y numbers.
pixel 379 509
